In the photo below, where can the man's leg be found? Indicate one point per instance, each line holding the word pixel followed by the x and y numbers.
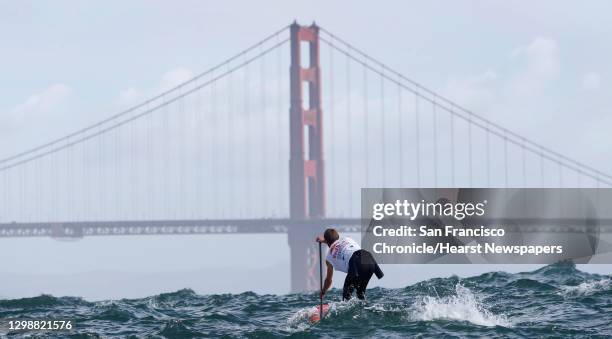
pixel 366 268
pixel 362 283
pixel 349 285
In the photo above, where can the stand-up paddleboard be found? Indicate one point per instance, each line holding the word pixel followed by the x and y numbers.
pixel 315 313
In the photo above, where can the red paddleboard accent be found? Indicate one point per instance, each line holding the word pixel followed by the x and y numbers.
pixel 315 314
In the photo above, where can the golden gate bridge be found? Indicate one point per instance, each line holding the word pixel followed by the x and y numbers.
pixel 278 138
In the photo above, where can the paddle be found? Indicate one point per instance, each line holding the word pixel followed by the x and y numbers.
pixel 321 282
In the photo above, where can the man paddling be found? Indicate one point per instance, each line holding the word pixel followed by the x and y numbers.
pixel 346 256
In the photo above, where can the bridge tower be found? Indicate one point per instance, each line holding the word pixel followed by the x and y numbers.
pixel 306 167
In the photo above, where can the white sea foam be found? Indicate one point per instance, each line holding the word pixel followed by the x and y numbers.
pixel 463 306
pixel 300 320
pixel 375 307
pixel 587 287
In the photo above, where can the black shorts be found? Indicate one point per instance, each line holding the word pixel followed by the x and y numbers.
pixel 361 268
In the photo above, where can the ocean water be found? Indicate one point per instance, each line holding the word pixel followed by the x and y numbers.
pixel 554 301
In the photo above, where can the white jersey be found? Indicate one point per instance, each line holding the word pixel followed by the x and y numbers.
pixel 340 253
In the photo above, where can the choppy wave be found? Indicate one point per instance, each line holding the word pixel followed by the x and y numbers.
pixel 463 306
pixel 588 287
pixel 556 300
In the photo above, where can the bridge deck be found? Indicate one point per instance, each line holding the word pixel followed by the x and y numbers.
pixel 168 227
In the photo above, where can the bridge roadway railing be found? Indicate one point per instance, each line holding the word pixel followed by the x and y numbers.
pixel 261 226
pixel 170 227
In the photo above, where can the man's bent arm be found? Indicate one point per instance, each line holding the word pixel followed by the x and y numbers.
pixel 328 276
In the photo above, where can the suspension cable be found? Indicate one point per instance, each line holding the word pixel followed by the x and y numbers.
pixel 452 104
pixel 150 100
